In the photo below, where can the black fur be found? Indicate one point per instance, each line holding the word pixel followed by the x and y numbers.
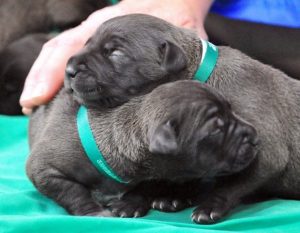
pixel 20 18
pixel 110 69
pixel 264 96
pixel 15 62
pixel 206 140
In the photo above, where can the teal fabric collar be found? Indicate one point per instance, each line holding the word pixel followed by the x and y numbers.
pixel 90 146
pixel 208 62
pixel 206 66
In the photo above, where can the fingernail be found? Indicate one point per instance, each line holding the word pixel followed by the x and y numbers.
pixel 27 111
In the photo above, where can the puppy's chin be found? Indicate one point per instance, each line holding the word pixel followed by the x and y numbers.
pixel 183 174
pixel 93 100
pixel 92 97
pixel 246 155
pixel 247 152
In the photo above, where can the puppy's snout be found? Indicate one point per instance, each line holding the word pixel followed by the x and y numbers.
pixel 71 71
pixel 246 150
pixel 74 66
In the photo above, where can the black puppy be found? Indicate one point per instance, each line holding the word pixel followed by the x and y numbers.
pixel 130 55
pixel 19 18
pixel 125 59
pixel 178 132
pixel 15 63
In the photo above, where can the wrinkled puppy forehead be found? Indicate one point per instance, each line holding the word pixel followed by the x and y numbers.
pixel 189 91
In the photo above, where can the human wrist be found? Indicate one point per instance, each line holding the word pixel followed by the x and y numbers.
pixel 199 8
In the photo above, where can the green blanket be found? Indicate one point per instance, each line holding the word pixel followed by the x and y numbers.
pixel 23 209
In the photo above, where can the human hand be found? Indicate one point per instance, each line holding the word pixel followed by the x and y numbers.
pixel 47 73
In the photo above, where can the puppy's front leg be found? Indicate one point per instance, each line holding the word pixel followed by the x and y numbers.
pixel 132 204
pixel 70 194
pixel 154 193
pixel 179 196
pixel 73 196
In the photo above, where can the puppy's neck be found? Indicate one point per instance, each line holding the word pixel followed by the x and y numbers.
pixel 192 47
pixel 119 136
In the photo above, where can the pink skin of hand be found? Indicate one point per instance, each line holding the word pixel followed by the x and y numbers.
pixel 47 73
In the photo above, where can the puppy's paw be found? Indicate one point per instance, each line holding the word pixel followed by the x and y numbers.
pixel 212 210
pixel 170 204
pixel 102 213
pixel 128 209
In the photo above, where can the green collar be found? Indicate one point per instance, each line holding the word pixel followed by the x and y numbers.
pixel 90 146
pixel 208 62
pixel 206 66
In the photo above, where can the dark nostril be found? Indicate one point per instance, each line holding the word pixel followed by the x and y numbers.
pixel 71 71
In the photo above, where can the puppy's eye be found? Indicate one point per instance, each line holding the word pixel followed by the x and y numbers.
pixel 116 53
pixel 117 56
pixel 111 52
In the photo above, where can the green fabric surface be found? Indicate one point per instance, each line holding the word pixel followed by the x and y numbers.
pixel 113 2
pixel 23 209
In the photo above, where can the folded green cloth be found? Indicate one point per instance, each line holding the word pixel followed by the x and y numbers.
pixel 24 209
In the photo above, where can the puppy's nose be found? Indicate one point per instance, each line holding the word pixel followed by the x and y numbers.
pixel 71 71
pixel 74 66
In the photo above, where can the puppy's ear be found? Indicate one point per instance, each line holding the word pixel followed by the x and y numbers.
pixel 173 58
pixel 163 140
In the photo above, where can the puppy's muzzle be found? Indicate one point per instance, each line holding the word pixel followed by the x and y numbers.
pixel 71 71
pixel 246 145
pixel 75 66
pixel 83 82
pixel 80 79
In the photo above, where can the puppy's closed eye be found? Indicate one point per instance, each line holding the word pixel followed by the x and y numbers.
pixel 116 54
pixel 112 52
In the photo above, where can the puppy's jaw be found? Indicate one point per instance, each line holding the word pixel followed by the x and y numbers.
pixel 86 89
pixel 249 153
pixel 94 96
pixel 91 100
pixel 246 153
pixel 241 147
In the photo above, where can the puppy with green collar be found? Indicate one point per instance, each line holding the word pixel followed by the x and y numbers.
pixel 130 55
pixel 177 133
